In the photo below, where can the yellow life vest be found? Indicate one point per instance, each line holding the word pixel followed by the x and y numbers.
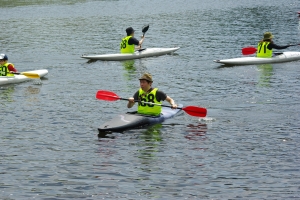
pixel 125 47
pixel 148 109
pixel 4 70
pixel 263 51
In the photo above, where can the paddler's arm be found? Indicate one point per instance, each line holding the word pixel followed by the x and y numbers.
pixel 11 68
pixel 141 42
pixel 131 102
pixel 275 46
pixel 172 102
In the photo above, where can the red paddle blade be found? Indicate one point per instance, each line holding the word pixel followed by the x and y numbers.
pixel 195 111
pixel 107 95
pixel 248 50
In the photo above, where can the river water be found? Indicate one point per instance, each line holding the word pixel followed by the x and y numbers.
pixel 246 148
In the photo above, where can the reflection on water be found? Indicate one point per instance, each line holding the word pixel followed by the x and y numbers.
pixel 91 61
pixel 299 21
pixel 30 92
pixel 130 69
pixel 129 65
pixel 149 145
pixel 152 134
pixel 134 68
pixel 196 131
pixel 266 71
pixel 35 2
pixel 150 140
pixel 6 94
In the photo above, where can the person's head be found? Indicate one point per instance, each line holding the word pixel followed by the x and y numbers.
pixel 3 58
pixel 268 36
pixel 129 31
pixel 146 81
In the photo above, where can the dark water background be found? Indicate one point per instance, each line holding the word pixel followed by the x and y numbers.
pixel 246 148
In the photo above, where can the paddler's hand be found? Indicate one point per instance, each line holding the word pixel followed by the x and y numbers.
pixel 174 106
pixel 131 100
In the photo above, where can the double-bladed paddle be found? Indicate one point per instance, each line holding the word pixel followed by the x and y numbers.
pixel 248 50
pixel 145 29
pixel 111 96
pixel 28 74
pixel 251 50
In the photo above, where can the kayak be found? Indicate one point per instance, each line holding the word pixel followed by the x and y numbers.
pixel 132 120
pixel 148 52
pixel 21 78
pixel 279 58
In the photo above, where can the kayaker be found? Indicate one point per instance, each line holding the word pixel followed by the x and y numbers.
pixel 128 43
pixel 6 68
pixel 266 45
pixel 148 94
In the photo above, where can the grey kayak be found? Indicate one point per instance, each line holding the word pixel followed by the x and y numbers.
pixel 132 120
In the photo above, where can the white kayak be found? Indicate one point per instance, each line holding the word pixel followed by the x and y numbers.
pixel 22 78
pixel 280 57
pixel 148 52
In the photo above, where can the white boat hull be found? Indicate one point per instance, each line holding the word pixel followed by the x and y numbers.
pixel 21 78
pixel 283 57
pixel 148 52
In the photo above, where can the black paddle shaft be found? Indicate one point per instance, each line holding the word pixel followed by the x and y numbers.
pixel 149 103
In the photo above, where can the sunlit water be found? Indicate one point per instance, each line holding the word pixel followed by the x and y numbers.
pixel 246 148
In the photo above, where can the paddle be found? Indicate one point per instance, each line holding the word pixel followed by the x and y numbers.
pixel 111 96
pixel 28 74
pixel 248 50
pixel 251 50
pixel 144 30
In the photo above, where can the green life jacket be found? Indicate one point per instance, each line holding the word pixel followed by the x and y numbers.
pixel 4 70
pixel 149 109
pixel 125 47
pixel 263 51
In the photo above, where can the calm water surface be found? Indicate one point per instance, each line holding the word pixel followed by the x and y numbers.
pixel 246 148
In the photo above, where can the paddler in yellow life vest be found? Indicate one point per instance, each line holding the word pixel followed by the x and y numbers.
pixel 128 43
pixel 6 69
pixel 266 45
pixel 148 94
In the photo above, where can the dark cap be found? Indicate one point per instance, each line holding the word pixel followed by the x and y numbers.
pixel 147 77
pixel 129 30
